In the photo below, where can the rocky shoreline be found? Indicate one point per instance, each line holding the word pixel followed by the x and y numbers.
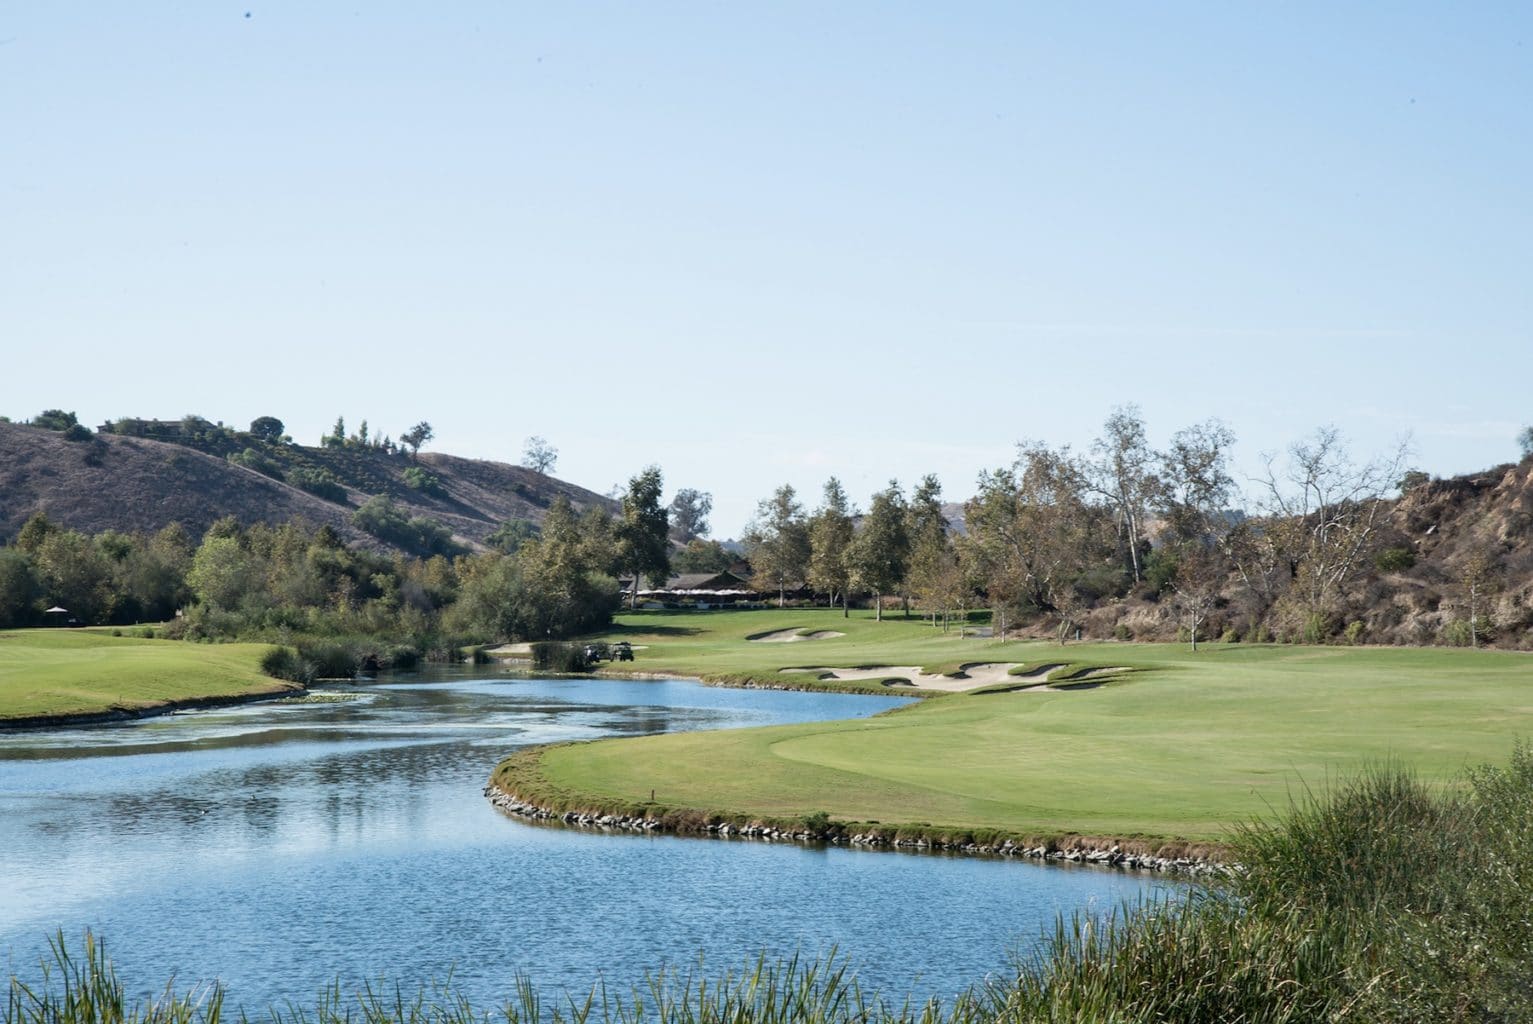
pixel 1072 851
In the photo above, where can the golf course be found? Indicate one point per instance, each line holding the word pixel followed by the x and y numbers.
pixel 1109 740
pixel 75 673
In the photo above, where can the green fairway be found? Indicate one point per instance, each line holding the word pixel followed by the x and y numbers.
pixel 46 672
pixel 1183 746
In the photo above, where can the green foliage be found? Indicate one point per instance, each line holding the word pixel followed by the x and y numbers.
pixel 418 479
pixel 380 517
pixel 642 531
pixel 331 659
pixel 252 459
pixel 19 589
pixel 414 437
pixel 318 482
pixel 78 432
pixel 1160 569
pixel 267 428
pixel 286 663
pixel 510 535
pixel 703 556
pixel 55 419
pixel 556 656
pixel 1413 479
pixel 1318 628
pixel 1395 559
pixel 1353 634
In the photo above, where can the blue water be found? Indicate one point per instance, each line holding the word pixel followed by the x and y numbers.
pixel 277 848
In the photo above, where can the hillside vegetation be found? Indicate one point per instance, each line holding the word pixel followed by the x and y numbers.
pixel 99 482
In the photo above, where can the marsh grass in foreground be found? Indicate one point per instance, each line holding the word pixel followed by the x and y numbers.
pixel 1378 900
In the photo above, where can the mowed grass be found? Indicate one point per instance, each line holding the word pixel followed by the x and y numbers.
pixel 1181 746
pixel 78 672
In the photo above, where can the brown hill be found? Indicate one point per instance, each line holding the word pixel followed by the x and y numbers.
pixel 111 482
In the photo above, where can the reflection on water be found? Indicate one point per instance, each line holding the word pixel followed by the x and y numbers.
pixel 277 847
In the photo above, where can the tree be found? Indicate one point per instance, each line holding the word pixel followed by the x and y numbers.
pixel 416 436
pixel 703 556
pixel 538 455
pixel 1322 513
pixel 1122 471
pixel 830 545
pixel 881 552
pixel 642 532
pixel 1196 486
pixel 932 558
pixel 266 428
pixel 1525 441
pixel 337 436
pixel 512 534
pixel 1475 580
pixel 1032 533
pixel 54 419
pixel 777 541
pixel 18 589
pixel 689 515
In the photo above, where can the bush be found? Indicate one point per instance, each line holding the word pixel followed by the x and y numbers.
pixel 319 483
pixel 1395 559
pixel 286 663
pixel 1122 632
pixel 1354 632
pixel 331 659
pixel 78 432
pixel 1230 636
pixel 252 459
pixel 557 656
pixel 418 479
pixel 1318 628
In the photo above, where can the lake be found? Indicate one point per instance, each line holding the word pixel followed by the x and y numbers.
pixel 278 847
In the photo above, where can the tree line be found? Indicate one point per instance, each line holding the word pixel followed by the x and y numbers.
pixel 1058 533
pixel 287 581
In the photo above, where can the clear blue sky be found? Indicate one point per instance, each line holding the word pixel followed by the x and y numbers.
pixel 759 244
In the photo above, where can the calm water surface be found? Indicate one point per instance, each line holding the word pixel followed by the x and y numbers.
pixel 277 848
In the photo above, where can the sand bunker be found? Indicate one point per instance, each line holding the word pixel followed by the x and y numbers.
pixel 789 636
pixel 975 675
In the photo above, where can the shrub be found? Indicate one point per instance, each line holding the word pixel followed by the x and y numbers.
pixel 558 656
pixel 1395 559
pixel 1318 628
pixel 1230 636
pixel 1354 632
pixel 418 479
pixel 252 459
pixel 78 432
pixel 286 663
pixel 1122 632
pixel 319 483
pixel 331 659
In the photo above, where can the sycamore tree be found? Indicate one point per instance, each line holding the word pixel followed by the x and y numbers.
pixel 830 545
pixel 777 542
pixel 538 455
pixel 1121 472
pixel 690 509
pixel 1322 513
pixel 881 552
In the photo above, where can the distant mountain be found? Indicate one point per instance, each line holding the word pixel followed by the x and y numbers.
pixel 112 482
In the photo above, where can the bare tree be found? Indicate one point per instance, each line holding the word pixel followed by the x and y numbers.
pixel 538 455
pixel 1321 514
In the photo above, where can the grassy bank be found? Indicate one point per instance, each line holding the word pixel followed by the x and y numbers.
pixel 1381 900
pixel 1180 746
pixel 66 673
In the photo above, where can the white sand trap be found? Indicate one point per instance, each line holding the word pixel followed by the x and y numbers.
pixel 974 676
pixel 791 636
pixel 524 650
